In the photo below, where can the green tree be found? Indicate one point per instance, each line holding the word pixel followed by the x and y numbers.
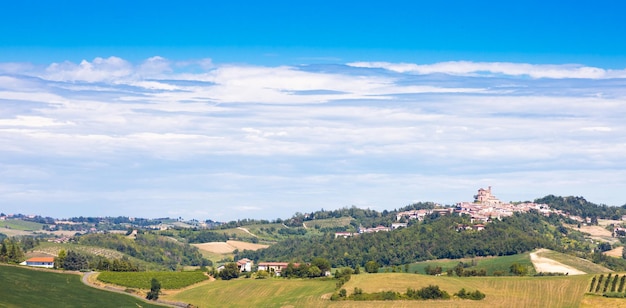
pixel 372 267
pixel 229 271
pixel 518 269
pixel 593 284
pixel 321 263
pixel 60 259
pixel 614 283
pixel 314 271
pixel 155 290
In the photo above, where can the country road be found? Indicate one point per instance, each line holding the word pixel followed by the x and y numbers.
pixel 85 279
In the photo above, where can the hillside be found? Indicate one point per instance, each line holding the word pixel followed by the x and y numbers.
pixel 23 287
pixel 434 238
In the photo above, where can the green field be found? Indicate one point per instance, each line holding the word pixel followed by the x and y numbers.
pixel 18 224
pixel 490 264
pixel 23 287
pixel 259 293
pixel 141 280
pixel 578 263
pixel 329 222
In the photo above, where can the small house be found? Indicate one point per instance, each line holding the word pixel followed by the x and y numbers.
pixel 47 262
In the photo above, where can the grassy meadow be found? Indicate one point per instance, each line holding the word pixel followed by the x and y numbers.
pixel 22 225
pixel 329 222
pixel 23 287
pixel 142 280
pixel 258 293
pixel 490 264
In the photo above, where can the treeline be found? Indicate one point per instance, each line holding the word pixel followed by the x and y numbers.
pixel 431 292
pixel 76 261
pixel 365 217
pixel 149 247
pixel 12 249
pixel 578 206
pixel 434 238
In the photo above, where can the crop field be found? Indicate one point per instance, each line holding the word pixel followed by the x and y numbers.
pixel 329 222
pixel 259 293
pixel 558 291
pixel 23 287
pixel 18 224
pixel 239 233
pixel 142 280
pixel 593 300
pixel 491 264
pixel 581 264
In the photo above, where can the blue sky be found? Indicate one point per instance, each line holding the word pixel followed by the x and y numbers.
pixel 249 109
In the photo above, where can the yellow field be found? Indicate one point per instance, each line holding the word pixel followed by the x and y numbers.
pixel 560 291
pixel 590 301
pixel 228 246
pixel 616 252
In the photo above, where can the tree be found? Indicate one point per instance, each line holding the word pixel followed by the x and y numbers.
pixel 229 271
pixel 372 267
pixel 60 259
pixel 518 269
pixel 155 290
pixel 322 264
pixel 73 261
pixel 314 271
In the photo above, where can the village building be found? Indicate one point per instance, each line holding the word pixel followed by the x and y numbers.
pixel 374 230
pixel 397 225
pixel 344 234
pixel 485 196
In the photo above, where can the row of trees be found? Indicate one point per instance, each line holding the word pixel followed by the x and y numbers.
pixel 431 292
pixel 608 284
pixel 578 206
pixel 11 251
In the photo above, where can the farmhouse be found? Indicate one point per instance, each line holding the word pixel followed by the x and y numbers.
pixel 397 225
pixel 344 234
pixel 274 267
pixel 47 262
pixel 245 265
pixel 374 230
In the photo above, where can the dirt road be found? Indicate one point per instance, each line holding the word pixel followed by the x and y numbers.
pixel 547 265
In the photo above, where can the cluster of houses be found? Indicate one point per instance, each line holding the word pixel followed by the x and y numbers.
pixel 275 268
pixel 485 208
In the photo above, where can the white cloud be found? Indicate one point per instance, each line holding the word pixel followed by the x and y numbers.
pixel 469 68
pixel 100 69
pixel 31 121
pixel 239 135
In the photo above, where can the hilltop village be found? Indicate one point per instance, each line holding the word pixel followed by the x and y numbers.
pixel 484 209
